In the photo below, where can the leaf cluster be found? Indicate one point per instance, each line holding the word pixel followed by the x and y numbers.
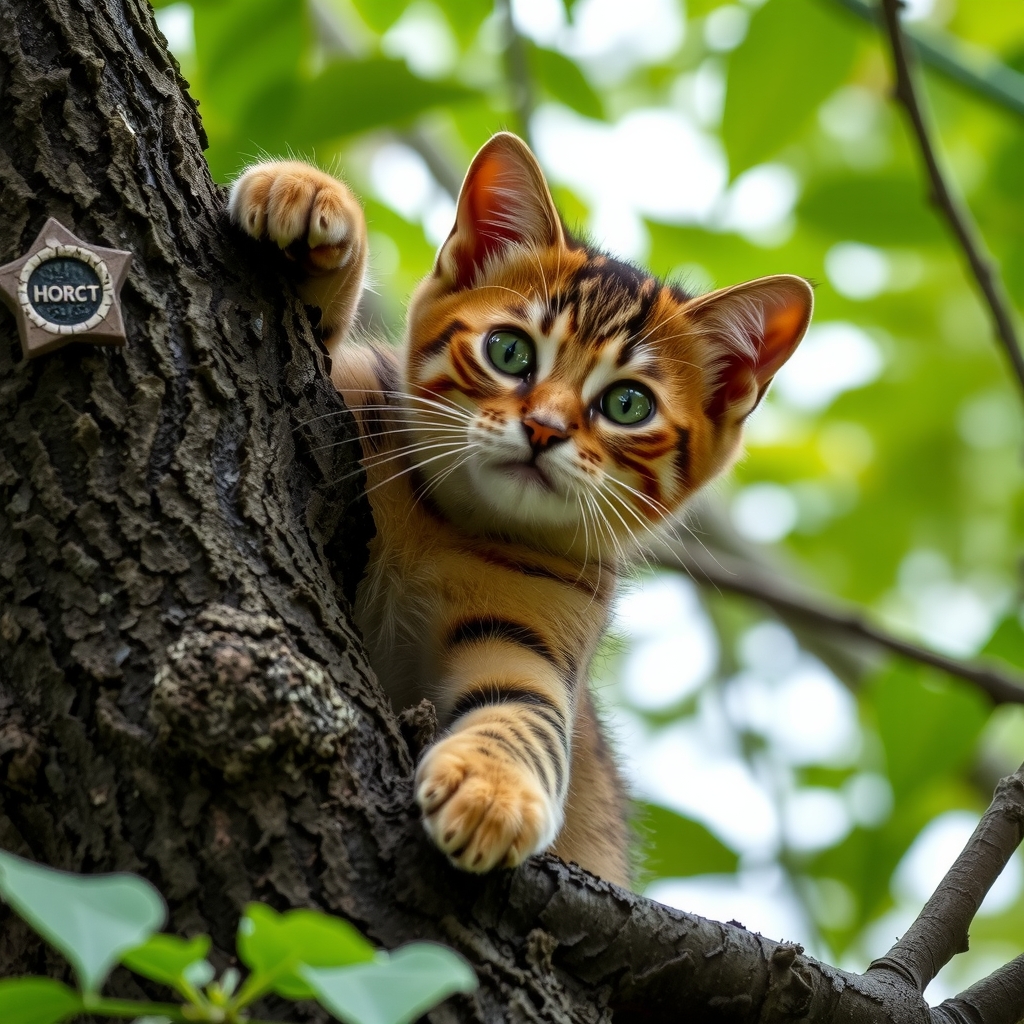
pixel 100 921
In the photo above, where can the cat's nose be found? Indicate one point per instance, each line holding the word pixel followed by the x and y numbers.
pixel 543 434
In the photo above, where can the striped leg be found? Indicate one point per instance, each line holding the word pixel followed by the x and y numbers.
pixel 493 789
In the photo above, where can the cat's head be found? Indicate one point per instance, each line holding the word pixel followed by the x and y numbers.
pixel 565 398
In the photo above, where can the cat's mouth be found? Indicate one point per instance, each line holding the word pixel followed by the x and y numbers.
pixel 528 473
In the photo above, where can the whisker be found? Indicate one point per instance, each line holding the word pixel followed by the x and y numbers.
pixel 611 533
pixel 452 447
pixel 452 412
pixel 647 527
pixel 373 461
pixel 418 465
pixel 586 546
pixel 439 400
pixel 503 288
pixel 656 505
pixel 454 431
pixel 644 525
pixel 689 529
pixel 430 485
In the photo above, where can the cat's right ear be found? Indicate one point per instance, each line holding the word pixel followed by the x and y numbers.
pixel 504 203
pixel 749 331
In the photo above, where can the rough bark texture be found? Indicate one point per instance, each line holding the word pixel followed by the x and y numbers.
pixel 181 691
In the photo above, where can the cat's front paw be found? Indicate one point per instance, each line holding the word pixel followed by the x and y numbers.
pixel 482 810
pixel 292 203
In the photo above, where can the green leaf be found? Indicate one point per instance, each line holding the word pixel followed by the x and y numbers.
pixel 380 15
pixel 36 1001
pixel 396 988
pixel 1007 642
pixel 879 210
pixel 164 958
pixel 796 52
pixel 346 97
pixel 928 725
pixel 681 847
pixel 92 920
pixel 565 81
pixel 241 45
pixel 277 945
pixel 466 16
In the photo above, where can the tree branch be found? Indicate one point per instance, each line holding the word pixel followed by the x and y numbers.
pixel 962 224
pixel 669 965
pixel 721 572
pixel 940 931
pixel 997 999
pixel 996 82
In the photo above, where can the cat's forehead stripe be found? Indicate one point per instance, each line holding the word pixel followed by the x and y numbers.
pixel 438 345
pixel 610 296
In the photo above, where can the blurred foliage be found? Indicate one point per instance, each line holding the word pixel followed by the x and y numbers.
pixel 903 487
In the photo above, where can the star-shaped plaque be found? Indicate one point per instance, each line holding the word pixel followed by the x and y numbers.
pixel 64 289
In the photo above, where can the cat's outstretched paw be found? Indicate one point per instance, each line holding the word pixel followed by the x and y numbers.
pixel 292 203
pixel 482 810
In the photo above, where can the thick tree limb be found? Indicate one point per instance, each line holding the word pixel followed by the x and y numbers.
pixel 942 195
pixel 719 571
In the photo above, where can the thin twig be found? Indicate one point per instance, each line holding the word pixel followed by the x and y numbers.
pixel 517 71
pixel 940 931
pixel 989 78
pixel 961 222
pixel 737 577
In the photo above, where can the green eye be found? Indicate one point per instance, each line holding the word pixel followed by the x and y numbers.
pixel 511 353
pixel 627 403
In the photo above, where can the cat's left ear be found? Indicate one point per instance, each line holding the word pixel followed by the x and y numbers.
pixel 751 329
pixel 504 202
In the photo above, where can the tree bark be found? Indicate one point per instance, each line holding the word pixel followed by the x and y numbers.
pixel 182 692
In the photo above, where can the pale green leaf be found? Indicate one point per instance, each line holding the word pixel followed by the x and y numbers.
pixel 91 919
pixel 395 988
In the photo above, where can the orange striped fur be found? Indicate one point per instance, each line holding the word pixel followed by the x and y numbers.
pixel 512 477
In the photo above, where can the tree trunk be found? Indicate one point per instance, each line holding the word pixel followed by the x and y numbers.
pixel 182 692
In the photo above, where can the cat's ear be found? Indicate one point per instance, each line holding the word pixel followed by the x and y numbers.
pixel 504 202
pixel 751 329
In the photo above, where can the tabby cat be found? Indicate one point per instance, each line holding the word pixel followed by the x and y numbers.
pixel 550 408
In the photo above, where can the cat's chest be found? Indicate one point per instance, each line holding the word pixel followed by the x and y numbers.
pixel 425 578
